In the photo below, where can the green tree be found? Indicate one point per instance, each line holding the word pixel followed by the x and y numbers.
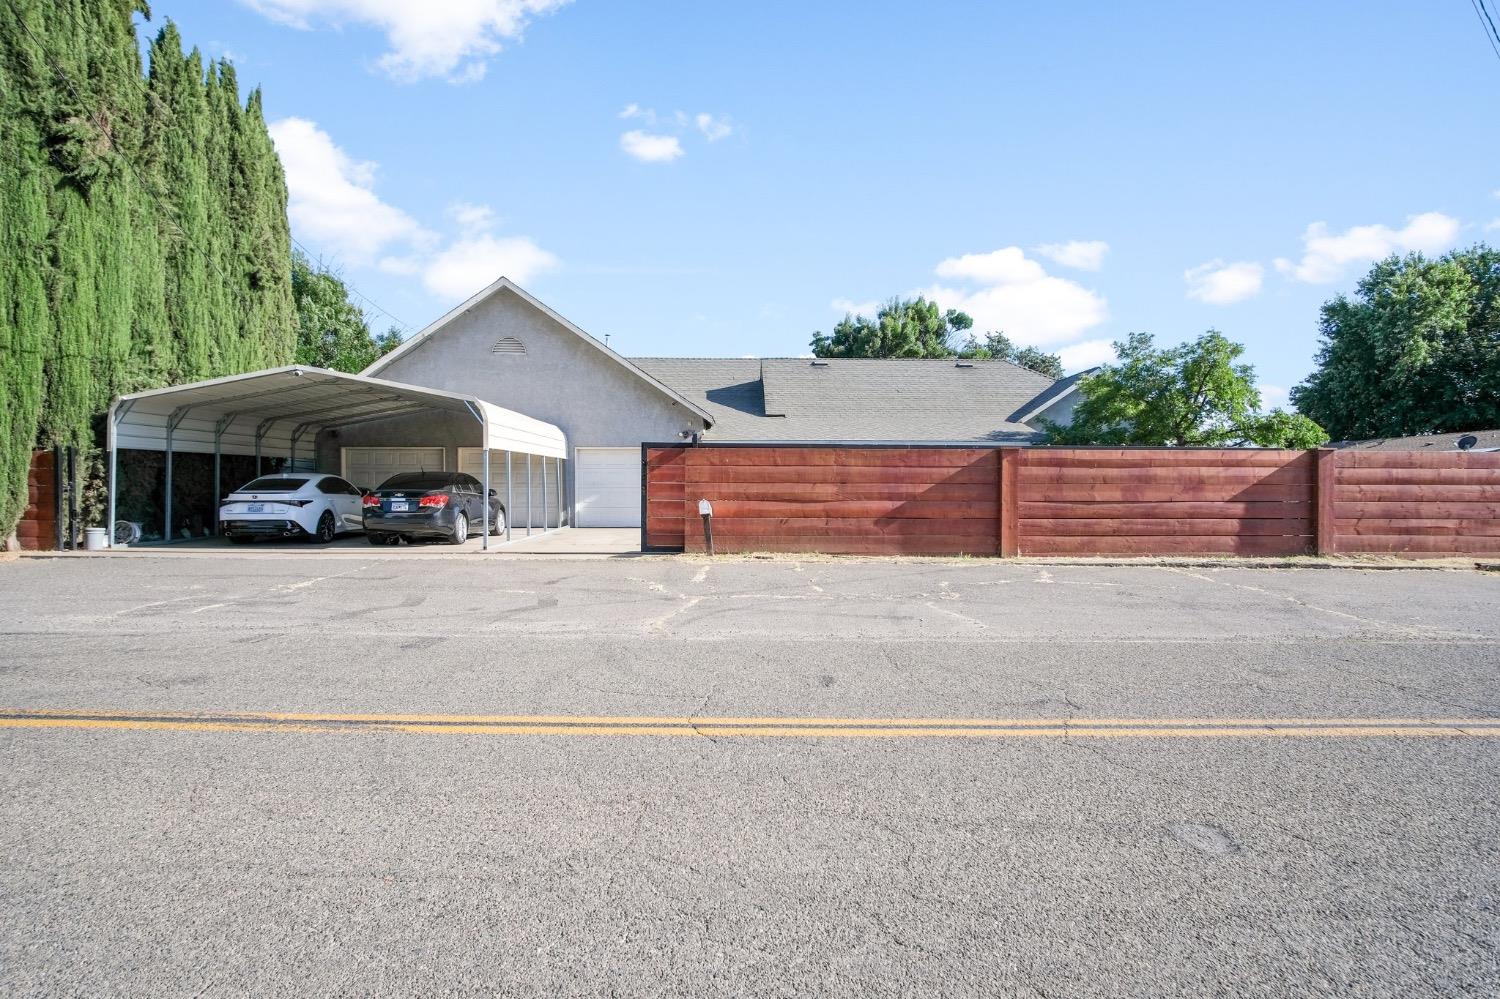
pixel 1196 394
pixel 142 225
pixel 1415 351
pixel 912 327
pixel 331 330
pixel 998 346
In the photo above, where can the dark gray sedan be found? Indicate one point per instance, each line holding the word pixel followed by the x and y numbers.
pixel 416 505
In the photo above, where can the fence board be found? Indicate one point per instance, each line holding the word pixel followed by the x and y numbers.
pixel 1208 545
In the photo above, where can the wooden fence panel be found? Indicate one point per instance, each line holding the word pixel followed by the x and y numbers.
pixel 664 527
pixel 1417 503
pixel 1073 501
pixel 1088 501
pixel 844 500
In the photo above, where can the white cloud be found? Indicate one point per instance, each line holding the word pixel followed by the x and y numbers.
pixel 1018 297
pixel 1272 396
pixel 1088 354
pixel 1493 226
pixel 844 306
pixel 450 38
pixel 632 110
pixel 471 217
pixel 471 262
pixel 333 205
pixel 1218 283
pixel 1083 255
pixel 713 127
pixel 650 148
pixel 1326 254
pixel 332 199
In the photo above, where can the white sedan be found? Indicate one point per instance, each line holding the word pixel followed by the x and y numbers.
pixel 291 505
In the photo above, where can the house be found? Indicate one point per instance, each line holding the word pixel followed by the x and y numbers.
pixel 1483 440
pixel 505 345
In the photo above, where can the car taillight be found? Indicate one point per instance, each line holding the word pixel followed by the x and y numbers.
pixel 299 502
pixel 371 501
pixel 441 499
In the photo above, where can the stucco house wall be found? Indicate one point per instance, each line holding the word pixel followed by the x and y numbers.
pixel 561 378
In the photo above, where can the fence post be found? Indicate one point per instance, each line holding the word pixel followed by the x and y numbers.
pixel 1325 533
pixel 1010 502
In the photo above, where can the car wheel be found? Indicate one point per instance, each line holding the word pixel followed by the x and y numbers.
pixel 460 530
pixel 497 522
pixel 326 528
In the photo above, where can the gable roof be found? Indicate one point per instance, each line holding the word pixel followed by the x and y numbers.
pixel 506 284
pixel 1488 440
pixel 1050 395
pixel 845 399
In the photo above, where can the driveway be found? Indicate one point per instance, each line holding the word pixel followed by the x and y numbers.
pixel 666 776
pixel 572 541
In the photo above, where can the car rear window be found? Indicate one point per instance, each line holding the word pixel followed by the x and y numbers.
pixel 418 480
pixel 272 484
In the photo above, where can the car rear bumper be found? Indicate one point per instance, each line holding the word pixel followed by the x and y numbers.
pixel 436 525
pixel 269 527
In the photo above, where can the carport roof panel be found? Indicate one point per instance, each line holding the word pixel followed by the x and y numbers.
pixel 309 397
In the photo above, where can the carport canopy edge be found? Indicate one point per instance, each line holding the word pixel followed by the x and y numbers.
pixel 279 407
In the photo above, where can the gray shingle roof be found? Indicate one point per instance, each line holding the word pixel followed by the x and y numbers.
pixel 1425 442
pixel 856 400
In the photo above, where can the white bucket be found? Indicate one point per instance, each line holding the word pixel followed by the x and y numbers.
pixel 95 539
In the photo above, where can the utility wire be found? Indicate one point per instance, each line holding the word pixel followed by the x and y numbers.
pixel 355 291
pixel 1487 24
pixel 162 214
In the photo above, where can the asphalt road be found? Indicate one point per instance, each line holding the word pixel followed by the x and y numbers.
pixel 1167 800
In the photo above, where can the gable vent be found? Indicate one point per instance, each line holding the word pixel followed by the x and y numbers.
pixel 508 345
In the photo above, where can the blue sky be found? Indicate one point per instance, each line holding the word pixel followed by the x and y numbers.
pixel 722 179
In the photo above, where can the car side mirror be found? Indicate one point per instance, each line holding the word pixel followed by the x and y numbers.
pixel 493 493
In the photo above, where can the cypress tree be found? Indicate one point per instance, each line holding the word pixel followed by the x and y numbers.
pixel 142 222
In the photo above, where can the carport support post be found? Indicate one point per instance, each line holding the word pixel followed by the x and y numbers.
pixel 510 494
pixel 172 421
pixel 115 416
pixel 560 493
pixel 219 429
pixel 546 518
pixel 528 494
pixel 485 544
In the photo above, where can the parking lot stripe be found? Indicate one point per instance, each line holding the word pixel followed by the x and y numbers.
pixel 867 728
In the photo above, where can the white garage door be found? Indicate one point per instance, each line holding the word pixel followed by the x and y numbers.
pixel 370 466
pixel 607 486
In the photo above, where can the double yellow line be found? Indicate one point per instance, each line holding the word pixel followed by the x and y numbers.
pixel 760 728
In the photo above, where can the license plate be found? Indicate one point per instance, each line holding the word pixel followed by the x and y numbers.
pixel 255 508
pixel 399 506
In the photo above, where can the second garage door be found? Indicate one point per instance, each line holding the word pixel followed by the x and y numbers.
pixel 368 467
pixel 607 486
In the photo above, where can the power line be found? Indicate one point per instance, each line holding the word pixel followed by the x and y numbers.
pixel 1487 25
pixel 355 291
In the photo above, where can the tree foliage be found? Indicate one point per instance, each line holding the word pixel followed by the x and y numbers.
pixel 915 327
pixel 1197 394
pixel 903 327
pixel 142 223
pixel 998 346
pixel 1415 351
pixel 331 330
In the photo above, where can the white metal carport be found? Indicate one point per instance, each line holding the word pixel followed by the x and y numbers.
pixel 272 412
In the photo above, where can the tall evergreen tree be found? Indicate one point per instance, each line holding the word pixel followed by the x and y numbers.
pixel 142 222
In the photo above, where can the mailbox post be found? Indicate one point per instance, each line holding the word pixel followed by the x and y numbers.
pixel 706 511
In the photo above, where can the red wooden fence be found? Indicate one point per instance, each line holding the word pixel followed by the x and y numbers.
pixel 935 500
pixel 1097 501
pixel 37 528
pixel 1412 502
